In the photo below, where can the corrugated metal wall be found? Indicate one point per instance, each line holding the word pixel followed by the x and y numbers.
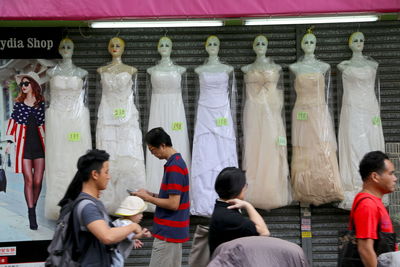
pixel 382 43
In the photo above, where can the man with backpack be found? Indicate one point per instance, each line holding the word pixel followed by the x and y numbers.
pixel 368 215
pixel 89 238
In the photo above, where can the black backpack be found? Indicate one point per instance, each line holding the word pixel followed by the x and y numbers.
pixel 63 249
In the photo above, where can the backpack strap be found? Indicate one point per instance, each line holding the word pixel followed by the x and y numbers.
pixel 79 207
pixel 353 227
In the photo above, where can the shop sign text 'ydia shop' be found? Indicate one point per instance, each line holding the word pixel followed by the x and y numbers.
pixel 19 43
pixel 30 43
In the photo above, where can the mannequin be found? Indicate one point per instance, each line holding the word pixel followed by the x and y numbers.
pixel 166 111
pixel 360 130
pixel 214 141
pixel 67 126
pixel 213 63
pixel 116 48
pixel 309 63
pixel 118 130
pixel 66 67
pixel 315 174
pixel 356 44
pixel 164 48
pixel 265 154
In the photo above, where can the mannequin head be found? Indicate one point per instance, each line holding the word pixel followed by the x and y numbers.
pixel 66 48
pixel 356 42
pixel 164 46
pixel 260 45
pixel 308 43
pixel 116 46
pixel 212 45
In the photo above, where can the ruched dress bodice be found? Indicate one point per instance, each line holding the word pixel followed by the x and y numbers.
pixel 66 93
pixel 166 82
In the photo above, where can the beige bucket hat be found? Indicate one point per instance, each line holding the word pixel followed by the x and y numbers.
pixel 131 205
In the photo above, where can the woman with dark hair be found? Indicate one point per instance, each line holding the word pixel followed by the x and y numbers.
pixel 96 237
pixel 26 126
pixel 227 222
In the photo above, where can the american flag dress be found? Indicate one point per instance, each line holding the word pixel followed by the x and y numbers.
pixel 17 126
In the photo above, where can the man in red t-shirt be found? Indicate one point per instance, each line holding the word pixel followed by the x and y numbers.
pixel 377 173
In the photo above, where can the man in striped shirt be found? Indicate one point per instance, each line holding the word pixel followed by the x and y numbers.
pixel 171 218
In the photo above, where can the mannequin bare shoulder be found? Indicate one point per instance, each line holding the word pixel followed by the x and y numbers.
pixel 343 65
pixel 160 67
pixel 75 71
pixel 357 63
pixel 263 67
pixel 214 68
pixel 246 69
pixel 117 68
pixel 316 66
pixel 295 68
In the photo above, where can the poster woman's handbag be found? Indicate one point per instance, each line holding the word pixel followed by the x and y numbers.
pixel 3 178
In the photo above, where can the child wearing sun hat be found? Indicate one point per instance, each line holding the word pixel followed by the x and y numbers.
pixel 131 210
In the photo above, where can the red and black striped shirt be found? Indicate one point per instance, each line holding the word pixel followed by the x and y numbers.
pixel 170 225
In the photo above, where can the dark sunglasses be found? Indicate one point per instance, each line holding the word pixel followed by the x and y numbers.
pixel 24 84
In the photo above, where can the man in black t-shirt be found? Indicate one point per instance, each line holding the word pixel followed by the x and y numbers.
pixel 227 222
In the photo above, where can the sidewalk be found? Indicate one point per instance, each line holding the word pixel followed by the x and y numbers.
pixel 14 224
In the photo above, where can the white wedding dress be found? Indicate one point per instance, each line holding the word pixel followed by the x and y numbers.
pixel 214 142
pixel 118 133
pixel 360 130
pixel 67 137
pixel 265 155
pixel 166 111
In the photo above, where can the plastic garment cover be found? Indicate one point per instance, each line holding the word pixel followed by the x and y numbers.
pixel 67 132
pixel 167 110
pixel 315 173
pixel 214 141
pixel 118 133
pixel 360 128
pixel 265 154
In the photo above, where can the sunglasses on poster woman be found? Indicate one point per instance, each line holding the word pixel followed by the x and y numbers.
pixel 21 84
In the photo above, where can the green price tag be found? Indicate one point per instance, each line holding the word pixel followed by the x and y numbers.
pixel 177 126
pixel 281 141
pixel 221 122
pixel 302 116
pixel 119 113
pixel 74 136
pixel 376 121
